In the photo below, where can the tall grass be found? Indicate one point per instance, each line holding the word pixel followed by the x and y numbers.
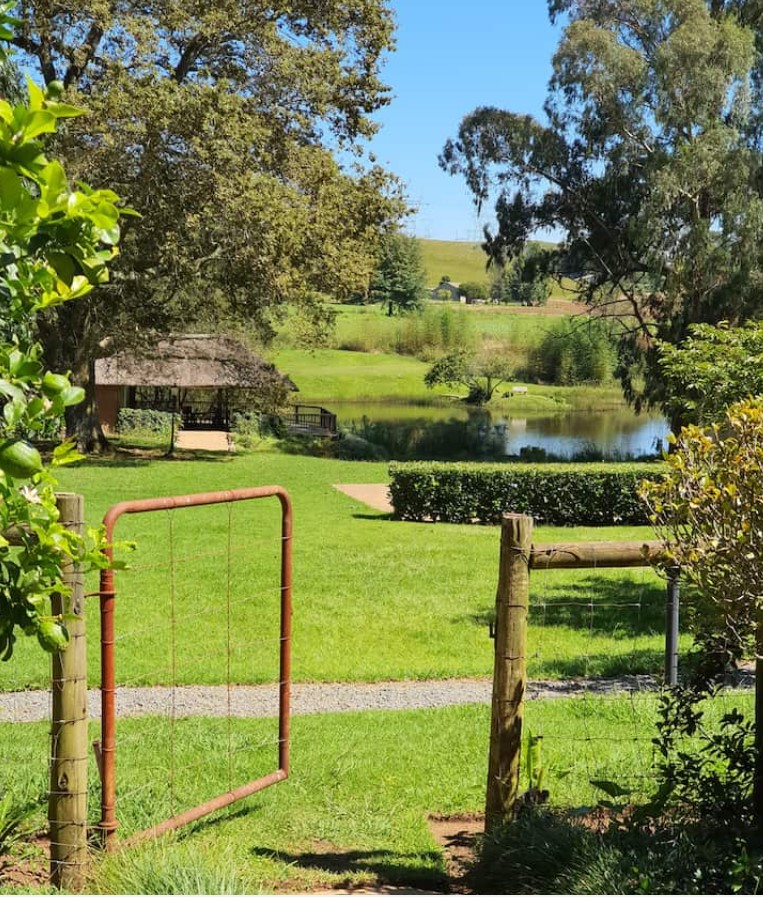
pixel 424 335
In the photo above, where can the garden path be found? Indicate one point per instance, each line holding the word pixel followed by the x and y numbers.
pixel 204 440
pixel 307 698
pixel 375 495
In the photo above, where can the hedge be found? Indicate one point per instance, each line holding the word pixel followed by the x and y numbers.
pixel 554 494
pixel 146 420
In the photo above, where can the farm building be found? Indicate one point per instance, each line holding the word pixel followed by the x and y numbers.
pixel 205 378
pixel 446 291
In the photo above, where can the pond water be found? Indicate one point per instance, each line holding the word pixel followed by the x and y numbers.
pixel 458 433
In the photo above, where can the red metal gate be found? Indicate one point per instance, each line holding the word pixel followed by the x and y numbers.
pixel 109 823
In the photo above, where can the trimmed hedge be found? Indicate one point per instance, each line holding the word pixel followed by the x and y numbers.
pixel 146 420
pixel 554 494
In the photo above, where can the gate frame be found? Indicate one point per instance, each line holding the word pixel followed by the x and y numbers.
pixel 106 750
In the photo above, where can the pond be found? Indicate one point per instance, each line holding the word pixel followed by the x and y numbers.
pixel 459 433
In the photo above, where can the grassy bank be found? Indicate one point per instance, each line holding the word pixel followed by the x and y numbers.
pixel 330 375
pixel 374 599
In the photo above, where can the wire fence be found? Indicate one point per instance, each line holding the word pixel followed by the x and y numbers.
pixel 598 744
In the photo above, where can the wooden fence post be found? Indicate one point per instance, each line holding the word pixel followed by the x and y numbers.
pixel 510 669
pixel 67 801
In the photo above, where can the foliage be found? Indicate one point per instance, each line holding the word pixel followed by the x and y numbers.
pixel 147 420
pixel 573 351
pixel 481 373
pixel 398 278
pixel 525 281
pixel 554 494
pixel 265 106
pixel 708 511
pixel 549 852
pixel 713 368
pixel 648 160
pixel 475 291
pixel 55 243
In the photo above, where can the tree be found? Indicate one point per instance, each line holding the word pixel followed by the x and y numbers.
pixel 526 281
pixel 481 374
pixel 55 244
pixel 224 125
pixel 474 291
pixel 713 368
pixel 398 278
pixel 649 162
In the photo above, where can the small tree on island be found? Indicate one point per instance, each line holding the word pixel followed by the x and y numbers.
pixel 481 374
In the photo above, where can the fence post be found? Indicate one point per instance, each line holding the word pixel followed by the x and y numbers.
pixel 671 627
pixel 509 670
pixel 67 801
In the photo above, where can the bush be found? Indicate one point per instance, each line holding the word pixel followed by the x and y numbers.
pixel 573 353
pixel 146 420
pixel 556 494
pixel 545 852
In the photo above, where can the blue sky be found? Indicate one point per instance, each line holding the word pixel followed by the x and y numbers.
pixel 454 55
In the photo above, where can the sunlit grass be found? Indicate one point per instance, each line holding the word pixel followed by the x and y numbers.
pixel 374 599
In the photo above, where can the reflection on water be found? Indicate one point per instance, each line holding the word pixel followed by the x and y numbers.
pixel 409 433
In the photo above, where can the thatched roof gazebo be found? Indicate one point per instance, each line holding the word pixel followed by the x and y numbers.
pixel 207 378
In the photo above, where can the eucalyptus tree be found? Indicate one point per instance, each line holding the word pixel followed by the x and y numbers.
pixel 236 130
pixel 647 159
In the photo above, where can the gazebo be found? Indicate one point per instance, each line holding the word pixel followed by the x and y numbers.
pixel 205 378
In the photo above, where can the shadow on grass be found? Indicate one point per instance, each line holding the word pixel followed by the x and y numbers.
pixel 386 865
pixel 143 459
pixel 595 604
pixel 379 516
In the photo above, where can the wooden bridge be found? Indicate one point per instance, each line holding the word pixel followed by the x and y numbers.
pixel 310 420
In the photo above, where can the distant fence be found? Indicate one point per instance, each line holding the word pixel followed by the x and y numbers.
pixel 310 420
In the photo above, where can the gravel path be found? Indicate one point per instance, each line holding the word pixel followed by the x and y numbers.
pixel 262 700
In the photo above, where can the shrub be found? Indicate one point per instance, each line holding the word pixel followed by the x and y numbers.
pixel 557 494
pixel 146 420
pixel 572 353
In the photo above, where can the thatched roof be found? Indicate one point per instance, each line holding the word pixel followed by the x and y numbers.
pixel 191 361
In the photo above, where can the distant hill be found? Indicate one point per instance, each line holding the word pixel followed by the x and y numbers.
pixel 458 260
pixel 465 261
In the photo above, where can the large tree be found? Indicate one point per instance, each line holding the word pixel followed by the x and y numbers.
pixel 648 160
pixel 235 129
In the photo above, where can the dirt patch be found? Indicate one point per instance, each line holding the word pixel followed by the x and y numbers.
pixel 27 867
pixel 458 836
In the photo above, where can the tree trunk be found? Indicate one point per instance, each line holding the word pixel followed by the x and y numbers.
pixel 83 421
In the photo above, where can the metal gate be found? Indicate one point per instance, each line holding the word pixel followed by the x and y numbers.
pixel 106 750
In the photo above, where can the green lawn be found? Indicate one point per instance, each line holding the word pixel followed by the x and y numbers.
pixel 361 787
pixel 374 599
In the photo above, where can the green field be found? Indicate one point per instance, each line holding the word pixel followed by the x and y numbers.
pixel 464 261
pixel 374 599
pixel 459 260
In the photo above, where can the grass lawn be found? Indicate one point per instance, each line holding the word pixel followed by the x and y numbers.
pixel 331 375
pixel 355 806
pixel 374 599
